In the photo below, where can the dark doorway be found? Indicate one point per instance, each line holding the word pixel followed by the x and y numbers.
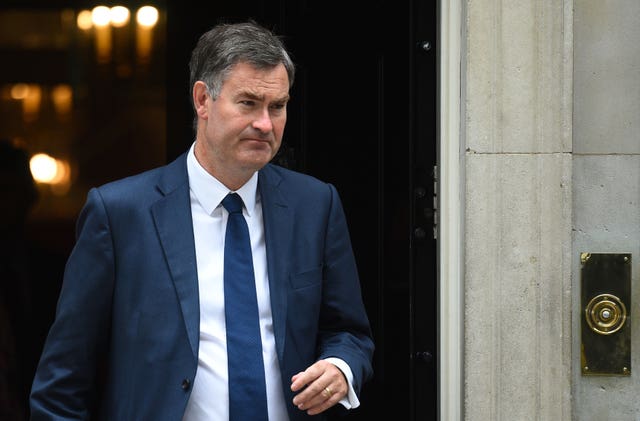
pixel 362 117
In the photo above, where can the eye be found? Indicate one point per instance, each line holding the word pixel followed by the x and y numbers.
pixel 279 106
pixel 247 102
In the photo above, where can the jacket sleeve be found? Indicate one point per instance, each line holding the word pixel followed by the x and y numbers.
pixel 65 383
pixel 344 326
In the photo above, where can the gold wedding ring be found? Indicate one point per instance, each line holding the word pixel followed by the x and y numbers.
pixel 327 392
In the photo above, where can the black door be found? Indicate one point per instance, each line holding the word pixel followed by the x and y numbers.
pixel 362 117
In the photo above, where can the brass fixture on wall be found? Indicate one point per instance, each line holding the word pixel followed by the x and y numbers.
pixel 606 300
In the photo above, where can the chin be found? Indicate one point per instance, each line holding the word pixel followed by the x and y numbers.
pixel 256 163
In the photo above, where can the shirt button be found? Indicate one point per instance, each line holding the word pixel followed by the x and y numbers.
pixel 185 384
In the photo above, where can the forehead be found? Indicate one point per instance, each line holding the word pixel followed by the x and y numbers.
pixel 244 77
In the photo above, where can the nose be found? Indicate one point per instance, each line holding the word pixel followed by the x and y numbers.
pixel 263 121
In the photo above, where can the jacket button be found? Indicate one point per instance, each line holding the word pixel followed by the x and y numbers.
pixel 185 384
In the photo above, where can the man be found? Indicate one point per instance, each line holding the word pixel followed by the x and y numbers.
pixel 144 294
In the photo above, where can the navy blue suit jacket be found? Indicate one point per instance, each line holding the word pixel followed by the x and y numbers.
pixel 129 305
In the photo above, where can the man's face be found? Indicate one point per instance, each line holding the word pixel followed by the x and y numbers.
pixel 240 131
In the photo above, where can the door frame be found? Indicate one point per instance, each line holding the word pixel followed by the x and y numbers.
pixel 450 155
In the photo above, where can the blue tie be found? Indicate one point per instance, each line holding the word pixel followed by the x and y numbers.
pixel 247 390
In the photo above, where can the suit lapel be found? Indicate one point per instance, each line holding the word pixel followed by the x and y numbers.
pixel 278 231
pixel 172 216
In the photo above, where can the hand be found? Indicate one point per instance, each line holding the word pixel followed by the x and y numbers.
pixel 321 386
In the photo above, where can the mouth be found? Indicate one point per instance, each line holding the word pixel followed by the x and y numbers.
pixel 257 140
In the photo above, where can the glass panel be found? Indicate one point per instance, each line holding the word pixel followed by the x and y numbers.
pixel 82 102
pixel 86 88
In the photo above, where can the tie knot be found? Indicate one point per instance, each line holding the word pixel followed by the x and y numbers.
pixel 232 203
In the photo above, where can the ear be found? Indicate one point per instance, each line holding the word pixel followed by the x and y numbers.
pixel 200 99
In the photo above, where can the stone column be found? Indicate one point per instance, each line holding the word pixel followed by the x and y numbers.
pixel 517 113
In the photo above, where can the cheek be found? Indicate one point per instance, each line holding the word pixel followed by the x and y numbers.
pixel 278 126
pixel 225 127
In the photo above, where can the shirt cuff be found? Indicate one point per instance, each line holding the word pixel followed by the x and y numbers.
pixel 351 399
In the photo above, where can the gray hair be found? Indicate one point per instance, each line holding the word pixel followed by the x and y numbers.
pixel 219 49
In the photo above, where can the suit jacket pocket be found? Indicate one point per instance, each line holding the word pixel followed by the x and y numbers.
pixel 306 278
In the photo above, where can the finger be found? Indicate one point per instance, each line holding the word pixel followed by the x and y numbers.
pixel 310 394
pixel 300 380
pixel 297 382
pixel 315 410
pixel 322 382
pixel 315 395
pixel 303 379
pixel 321 401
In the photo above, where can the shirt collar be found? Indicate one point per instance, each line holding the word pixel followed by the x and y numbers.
pixel 209 191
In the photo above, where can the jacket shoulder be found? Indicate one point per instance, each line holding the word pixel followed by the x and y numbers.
pixel 286 178
pixel 150 182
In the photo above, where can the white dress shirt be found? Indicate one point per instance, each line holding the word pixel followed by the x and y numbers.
pixel 209 399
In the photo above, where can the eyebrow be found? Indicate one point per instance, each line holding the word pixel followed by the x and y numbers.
pixel 261 97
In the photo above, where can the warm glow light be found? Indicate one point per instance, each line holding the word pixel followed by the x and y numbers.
pixel 31 103
pixel 62 180
pixel 101 16
pixel 119 16
pixel 147 16
pixel 84 20
pixel 30 95
pixel 19 91
pixel 62 96
pixel 49 170
pixel 43 168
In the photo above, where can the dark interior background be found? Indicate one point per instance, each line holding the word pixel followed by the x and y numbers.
pixel 362 116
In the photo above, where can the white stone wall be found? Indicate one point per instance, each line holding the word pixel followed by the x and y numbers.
pixel 517 97
pixel 606 179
